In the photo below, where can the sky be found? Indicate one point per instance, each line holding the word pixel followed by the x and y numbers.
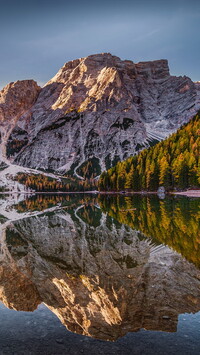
pixel 38 36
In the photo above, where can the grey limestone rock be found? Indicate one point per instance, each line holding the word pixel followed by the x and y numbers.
pixel 98 109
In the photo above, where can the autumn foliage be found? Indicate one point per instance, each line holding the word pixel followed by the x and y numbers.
pixel 173 163
pixel 172 221
pixel 44 183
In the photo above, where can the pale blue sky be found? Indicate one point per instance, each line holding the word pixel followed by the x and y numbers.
pixel 38 37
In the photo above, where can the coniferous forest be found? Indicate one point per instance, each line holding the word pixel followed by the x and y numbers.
pixel 173 163
pixel 43 183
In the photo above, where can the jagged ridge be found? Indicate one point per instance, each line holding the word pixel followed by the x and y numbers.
pixel 95 107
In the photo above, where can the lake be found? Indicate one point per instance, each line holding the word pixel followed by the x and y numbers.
pixel 99 274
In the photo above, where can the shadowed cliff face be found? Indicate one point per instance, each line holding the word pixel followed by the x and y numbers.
pixel 97 110
pixel 101 278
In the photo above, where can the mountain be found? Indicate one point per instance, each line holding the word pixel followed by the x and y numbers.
pixel 93 112
pixel 173 163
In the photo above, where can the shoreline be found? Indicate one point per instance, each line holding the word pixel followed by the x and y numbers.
pixel 188 193
pixel 47 192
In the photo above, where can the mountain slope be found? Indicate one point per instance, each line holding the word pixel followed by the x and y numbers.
pixel 173 163
pixel 95 111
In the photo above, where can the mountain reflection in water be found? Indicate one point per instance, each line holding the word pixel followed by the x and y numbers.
pixel 99 263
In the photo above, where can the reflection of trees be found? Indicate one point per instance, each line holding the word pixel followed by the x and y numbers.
pixel 174 222
pixel 42 202
pixel 100 277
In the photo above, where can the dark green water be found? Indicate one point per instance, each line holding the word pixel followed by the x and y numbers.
pixel 122 273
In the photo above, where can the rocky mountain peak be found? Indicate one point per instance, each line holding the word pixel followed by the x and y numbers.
pixel 103 78
pixel 16 98
pixel 95 110
pixel 158 69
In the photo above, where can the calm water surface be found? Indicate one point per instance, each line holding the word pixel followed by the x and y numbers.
pixel 106 274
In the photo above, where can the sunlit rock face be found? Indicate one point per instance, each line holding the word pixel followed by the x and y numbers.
pixel 16 290
pixel 98 108
pixel 99 277
pixel 15 100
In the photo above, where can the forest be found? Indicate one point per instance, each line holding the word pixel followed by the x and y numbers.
pixel 43 183
pixel 173 163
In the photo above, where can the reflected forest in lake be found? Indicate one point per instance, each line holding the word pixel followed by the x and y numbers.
pixel 106 265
